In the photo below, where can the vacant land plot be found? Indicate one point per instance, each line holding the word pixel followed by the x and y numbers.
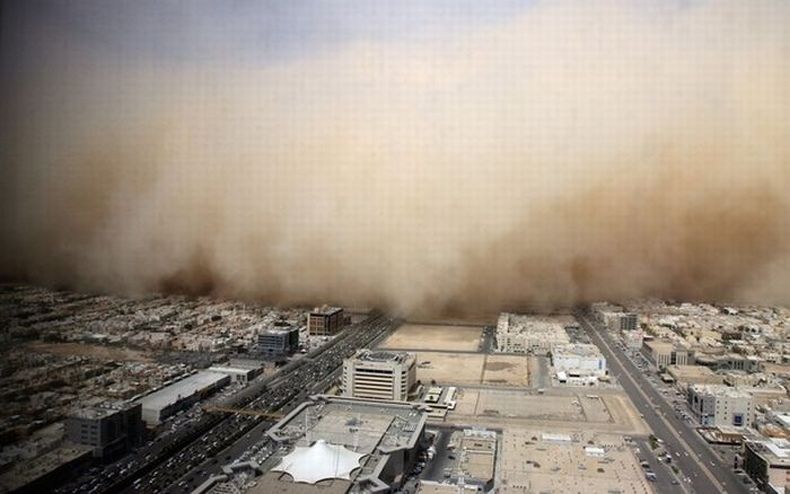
pixel 595 409
pixel 609 412
pixel 517 404
pixel 435 337
pixel 506 370
pixel 450 368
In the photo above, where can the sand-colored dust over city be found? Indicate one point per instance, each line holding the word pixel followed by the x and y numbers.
pixel 578 152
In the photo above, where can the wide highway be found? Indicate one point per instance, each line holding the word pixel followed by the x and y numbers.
pixel 165 462
pixel 689 451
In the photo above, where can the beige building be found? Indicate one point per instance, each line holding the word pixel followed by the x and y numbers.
pixel 665 353
pixel 379 375
pixel 694 374
pixel 529 334
pixel 614 318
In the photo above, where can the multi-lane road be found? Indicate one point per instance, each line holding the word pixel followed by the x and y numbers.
pixel 162 464
pixel 690 453
pixel 191 466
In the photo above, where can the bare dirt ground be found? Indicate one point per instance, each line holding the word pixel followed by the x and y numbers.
pixel 450 368
pixel 93 351
pixel 435 337
pixel 606 412
pixel 506 370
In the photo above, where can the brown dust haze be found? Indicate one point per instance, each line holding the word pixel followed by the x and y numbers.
pixel 581 151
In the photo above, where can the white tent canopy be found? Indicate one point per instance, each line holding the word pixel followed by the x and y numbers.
pixel 318 462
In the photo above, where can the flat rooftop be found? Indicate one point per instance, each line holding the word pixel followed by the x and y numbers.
pixel 279 330
pixel 663 345
pixel 720 390
pixel 181 389
pixel 694 374
pixel 577 350
pixel 229 369
pixel 245 363
pixel 541 326
pixel 100 410
pixel 355 423
pixel 26 471
pixel 775 450
pixel 372 428
pixel 383 356
pixel 535 461
pixel 325 310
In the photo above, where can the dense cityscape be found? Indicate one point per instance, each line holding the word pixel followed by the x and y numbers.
pixel 197 395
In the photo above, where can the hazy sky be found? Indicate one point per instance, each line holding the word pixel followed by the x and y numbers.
pixel 420 156
pixel 239 32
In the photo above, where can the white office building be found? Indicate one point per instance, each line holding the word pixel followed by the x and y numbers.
pixel 578 360
pixel 718 405
pixel 379 375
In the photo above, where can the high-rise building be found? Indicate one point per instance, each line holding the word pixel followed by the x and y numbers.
pixel 379 375
pixel 325 321
pixel 111 428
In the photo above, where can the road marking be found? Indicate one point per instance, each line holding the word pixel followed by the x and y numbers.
pixel 669 426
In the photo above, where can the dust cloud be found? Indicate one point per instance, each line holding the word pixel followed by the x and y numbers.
pixel 581 151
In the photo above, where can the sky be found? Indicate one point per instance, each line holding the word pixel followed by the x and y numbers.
pixel 424 157
pixel 238 32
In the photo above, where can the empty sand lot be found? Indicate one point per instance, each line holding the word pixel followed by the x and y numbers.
pixel 522 405
pixel 506 370
pixel 434 337
pixel 609 412
pixel 450 368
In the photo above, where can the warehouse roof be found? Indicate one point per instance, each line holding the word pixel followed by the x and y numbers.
pixel 181 389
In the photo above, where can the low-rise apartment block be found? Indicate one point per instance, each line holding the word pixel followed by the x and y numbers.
pixel 529 334
pixel 665 353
